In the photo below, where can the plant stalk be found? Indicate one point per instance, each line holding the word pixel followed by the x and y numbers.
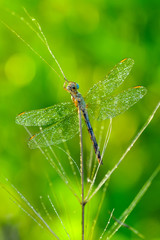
pixel 82 169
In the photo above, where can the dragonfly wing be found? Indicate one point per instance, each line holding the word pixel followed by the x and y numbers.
pixel 113 80
pixel 57 133
pixel 112 106
pixel 45 116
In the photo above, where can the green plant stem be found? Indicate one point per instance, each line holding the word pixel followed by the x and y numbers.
pixel 82 169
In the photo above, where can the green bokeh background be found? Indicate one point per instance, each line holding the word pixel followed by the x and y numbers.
pixel 88 38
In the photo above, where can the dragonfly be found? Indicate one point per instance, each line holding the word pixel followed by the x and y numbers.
pixel 60 121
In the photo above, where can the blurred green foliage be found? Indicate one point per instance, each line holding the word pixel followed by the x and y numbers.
pixel 88 38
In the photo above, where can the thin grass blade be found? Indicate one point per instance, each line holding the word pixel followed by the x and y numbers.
pixel 133 204
pixel 23 203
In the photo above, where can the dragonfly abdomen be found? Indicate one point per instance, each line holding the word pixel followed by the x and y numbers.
pixel 92 136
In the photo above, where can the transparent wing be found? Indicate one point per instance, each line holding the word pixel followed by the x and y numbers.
pixel 113 80
pixel 57 133
pixel 112 106
pixel 45 116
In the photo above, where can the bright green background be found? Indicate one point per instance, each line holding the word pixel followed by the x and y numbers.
pixel 88 38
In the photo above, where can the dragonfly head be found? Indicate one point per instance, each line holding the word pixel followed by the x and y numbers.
pixel 71 87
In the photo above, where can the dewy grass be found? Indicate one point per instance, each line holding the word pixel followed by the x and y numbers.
pixel 133 204
pixel 24 204
pixel 50 155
